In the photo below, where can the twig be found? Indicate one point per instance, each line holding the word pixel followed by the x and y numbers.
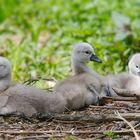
pixel 42 136
pixel 134 99
pixel 68 122
pixel 106 107
pixel 137 125
pixel 89 117
pixel 95 117
pixel 74 132
pixel 33 81
pixel 132 128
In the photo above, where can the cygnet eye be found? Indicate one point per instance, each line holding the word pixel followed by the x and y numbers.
pixel 87 52
pixel 137 66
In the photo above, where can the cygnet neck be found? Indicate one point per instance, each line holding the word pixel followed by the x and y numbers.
pixel 79 67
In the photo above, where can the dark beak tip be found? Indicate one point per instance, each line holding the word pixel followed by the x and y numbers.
pixel 100 61
pixel 95 58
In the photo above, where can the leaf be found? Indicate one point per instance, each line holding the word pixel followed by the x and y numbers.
pixel 121 36
pixel 120 20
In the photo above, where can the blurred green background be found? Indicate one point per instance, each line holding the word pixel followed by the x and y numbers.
pixel 37 35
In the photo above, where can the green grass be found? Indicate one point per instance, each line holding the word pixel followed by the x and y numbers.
pixel 111 134
pixel 58 24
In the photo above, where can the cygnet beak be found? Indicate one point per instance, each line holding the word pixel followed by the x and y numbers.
pixel 139 73
pixel 95 58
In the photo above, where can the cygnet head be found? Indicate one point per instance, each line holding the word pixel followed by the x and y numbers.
pixel 5 69
pixel 134 64
pixel 84 52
